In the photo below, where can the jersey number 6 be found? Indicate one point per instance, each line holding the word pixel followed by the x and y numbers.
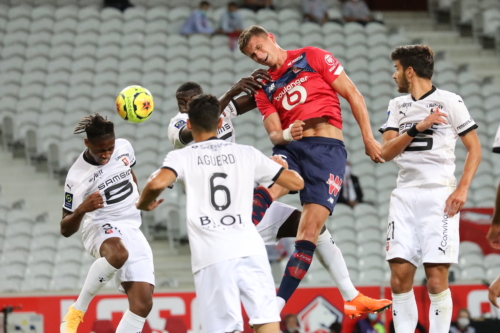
pixel 214 188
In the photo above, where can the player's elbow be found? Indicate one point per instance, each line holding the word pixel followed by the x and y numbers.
pixel 65 231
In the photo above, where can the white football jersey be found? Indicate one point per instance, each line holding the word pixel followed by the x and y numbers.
pixel 496 144
pixel 226 132
pixel 219 178
pixel 430 157
pixel 113 180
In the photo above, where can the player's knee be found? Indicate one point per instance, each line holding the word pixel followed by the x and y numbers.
pixel 400 284
pixel 142 308
pixel 437 284
pixel 118 257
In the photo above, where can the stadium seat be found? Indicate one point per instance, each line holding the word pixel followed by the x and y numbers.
pixel 11 285
pixel 473 273
pixel 470 259
pixel 372 275
pixel 469 247
pixel 492 273
pixel 344 235
pixel 332 28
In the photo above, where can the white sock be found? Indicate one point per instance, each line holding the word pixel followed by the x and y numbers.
pixel 404 312
pixel 331 258
pixel 440 312
pixel 130 323
pixel 281 303
pixel 99 274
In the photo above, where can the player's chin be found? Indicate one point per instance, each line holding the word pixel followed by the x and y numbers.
pixel 103 162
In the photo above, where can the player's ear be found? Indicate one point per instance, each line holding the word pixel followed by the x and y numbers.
pixel 188 124
pixel 220 123
pixel 272 37
pixel 86 141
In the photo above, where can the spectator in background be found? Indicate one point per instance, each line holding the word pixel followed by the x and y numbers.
pixel 336 327
pixel 231 24
pixel 356 11
pixel 315 11
pixel 118 4
pixel 257 5
pixel 198 22
pixel 350 192
pixel 291 324
pixel 370 324
pixel 462 325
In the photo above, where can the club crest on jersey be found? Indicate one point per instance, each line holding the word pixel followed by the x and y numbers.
pixel 125 161
pixel 329 60
pixel 296 69
pixel 335 183
pixel 68 200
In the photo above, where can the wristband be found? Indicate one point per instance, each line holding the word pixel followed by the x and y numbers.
pixel 413 131
pixel 287 136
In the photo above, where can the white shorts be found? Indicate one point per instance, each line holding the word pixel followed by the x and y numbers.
pixel 139 266
pixel 222 287
pixel 272 221
pixel 418 229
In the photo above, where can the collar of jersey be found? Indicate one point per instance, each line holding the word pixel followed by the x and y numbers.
pixel 89 161
pixel 212 138
pixel 424 95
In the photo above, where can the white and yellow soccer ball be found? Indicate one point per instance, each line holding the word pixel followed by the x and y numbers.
pixel 135 104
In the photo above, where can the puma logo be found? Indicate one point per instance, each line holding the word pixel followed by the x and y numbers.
pixel 441 249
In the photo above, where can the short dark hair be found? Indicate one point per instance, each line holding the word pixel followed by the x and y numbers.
pixel 204 3
pixel 248 33
pixel 204 113
pixel 419 57
pixel 96 127
pixel 189 86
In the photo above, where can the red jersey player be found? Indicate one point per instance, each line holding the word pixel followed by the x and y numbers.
pixel 301 112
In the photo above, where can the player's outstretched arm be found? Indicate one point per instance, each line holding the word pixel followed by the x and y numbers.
pixel 157 182
pixel 291 180
pixel 345 88
pixel 493 235
pixel 394 144
pixel 248 85
pixel 70 222
pixel 457 199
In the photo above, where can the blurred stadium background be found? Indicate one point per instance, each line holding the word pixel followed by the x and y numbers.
pixel 63 59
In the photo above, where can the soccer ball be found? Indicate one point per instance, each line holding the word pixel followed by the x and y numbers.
pixel 135 104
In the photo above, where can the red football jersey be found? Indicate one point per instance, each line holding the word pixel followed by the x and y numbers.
pixel 302 88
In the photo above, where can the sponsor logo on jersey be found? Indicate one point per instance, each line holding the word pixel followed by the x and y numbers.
pixel 120 156
pixel 403 113
pixel 296 59
pixel 435 105
pixel 272 88
pixel 292 85
pixel 444 240
pixel 68 200
pixel 180 124
pixel 96 175
pixel 125 161
pixel 114 179
pixel 69 186
pixel 318 315
pixel 335 184
pixel 405 105
pixel 465 124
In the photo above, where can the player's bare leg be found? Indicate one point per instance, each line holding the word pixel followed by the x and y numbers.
pixel 114 254
pixel 267 328
pixel 441 303
pixel 140 299
pixel 404 305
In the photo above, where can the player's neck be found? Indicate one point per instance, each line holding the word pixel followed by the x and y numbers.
pixel 282 55
pixel 419 87
pixel 204 136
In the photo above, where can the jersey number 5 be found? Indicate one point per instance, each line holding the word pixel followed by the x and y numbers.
pixel 421 144
pixel 217 188
pixel 118 192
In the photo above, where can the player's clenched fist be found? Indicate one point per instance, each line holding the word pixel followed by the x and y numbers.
pixel 296 129
pixel 436 117
pixel 278 159
pixel 493 236
pixel 92 202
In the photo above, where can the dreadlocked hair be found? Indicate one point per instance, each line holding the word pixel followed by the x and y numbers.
pixel 95 126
